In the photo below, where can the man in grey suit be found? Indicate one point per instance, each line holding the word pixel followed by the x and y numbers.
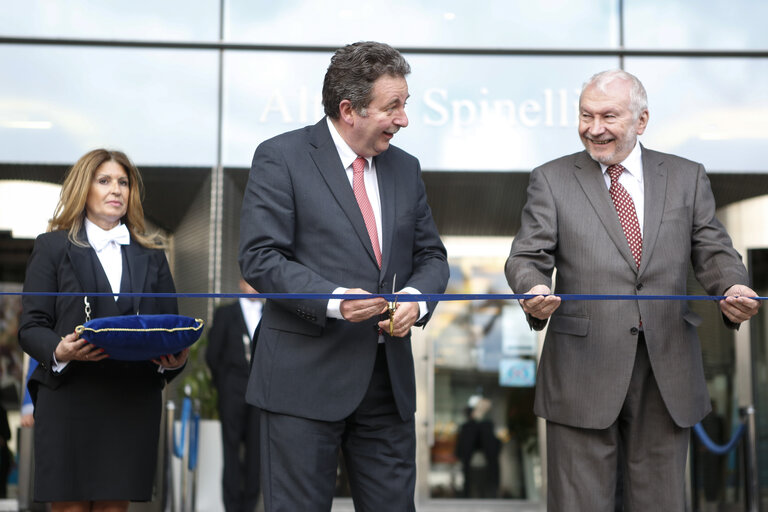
pixel 334 208
pixel 621 375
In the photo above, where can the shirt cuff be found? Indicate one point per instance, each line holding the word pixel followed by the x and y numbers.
pixel 163 369
pixel 58 367
pixel 333 309
pixel 423 310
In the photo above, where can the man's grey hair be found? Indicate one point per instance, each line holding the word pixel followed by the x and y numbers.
pixel 354 69
pixel 638 99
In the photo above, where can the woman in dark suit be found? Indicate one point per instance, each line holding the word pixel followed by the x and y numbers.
pixel 97 420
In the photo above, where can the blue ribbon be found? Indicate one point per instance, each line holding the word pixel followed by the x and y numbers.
pixel 714 447
pixel 403 297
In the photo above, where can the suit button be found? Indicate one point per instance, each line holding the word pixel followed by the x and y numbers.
pixel 633 331
pixel 639 286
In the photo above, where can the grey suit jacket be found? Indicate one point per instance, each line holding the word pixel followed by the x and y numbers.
pixel 301 231
pixel 570 223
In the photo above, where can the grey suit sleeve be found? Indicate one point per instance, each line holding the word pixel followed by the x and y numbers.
pixel 267 229
pixel 531 259
pixel 716 263
pixel 532 256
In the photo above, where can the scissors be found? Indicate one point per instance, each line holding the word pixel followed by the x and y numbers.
pixel 392 308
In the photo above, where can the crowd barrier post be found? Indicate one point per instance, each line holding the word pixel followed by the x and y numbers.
pixel 750 460
pixel 169 496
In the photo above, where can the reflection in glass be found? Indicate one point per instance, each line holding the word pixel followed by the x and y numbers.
pixel 485 432
pixel 708 110
pixel 758 265
pixel 705 24
pixel 451 23
pixel 169 20
pixel 157 105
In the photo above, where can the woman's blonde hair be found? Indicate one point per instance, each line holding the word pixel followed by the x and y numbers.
pixel 70 212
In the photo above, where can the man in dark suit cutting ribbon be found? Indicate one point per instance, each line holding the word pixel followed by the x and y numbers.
pixel 334 208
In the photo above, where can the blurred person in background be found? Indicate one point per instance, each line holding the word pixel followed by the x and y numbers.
pixel 230 345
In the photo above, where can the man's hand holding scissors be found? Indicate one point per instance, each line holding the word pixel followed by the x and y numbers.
pixel 402 315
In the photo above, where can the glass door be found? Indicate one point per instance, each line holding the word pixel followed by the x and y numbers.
pixel 482 434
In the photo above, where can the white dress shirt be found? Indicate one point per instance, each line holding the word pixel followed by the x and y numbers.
pixel 347 156
pixel 632 180
pixel 251 309
pixel 108 250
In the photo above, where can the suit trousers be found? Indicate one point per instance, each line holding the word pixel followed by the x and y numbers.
pixel 299 456
pixel 582 463
pixel 240 442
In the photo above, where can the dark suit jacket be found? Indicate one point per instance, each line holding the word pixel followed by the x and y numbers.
pixel 569 222
pixel 57 265
pixel 225 353
pixel 301 231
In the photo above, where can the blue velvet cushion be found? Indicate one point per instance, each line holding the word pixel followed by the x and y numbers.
pixel 141 337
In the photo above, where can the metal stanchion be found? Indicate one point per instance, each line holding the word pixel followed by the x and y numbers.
pixel 169 498
pixel 750 456
pixel 26 468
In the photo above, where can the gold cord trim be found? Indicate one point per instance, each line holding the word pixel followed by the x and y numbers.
pixel 81 328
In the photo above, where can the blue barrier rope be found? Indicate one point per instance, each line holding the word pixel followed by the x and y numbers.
pixel 713 447
pixel 178 444
pixel 403 297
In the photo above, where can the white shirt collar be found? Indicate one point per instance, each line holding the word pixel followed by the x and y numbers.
pixel 100 238
pixel 346 153
pixel 633 163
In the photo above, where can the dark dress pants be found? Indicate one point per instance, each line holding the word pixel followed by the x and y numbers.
pixel 240 438
pixel 582 463
pixel 299 455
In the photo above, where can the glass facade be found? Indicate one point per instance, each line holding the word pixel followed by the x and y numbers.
pixel 188 90
pixel 453 23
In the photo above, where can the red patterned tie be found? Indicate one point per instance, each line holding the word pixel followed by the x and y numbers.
pixel 358 186
pixel 625 207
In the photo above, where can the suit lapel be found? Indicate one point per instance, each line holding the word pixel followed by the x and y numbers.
pixel 80 257
pixel 655 179
pixel 387 197
pixel 591 179
pixel 327 160
pixel 138 264
pixel 84 266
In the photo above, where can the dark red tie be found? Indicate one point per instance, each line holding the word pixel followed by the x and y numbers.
pixel 358 186
pixel 625 207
